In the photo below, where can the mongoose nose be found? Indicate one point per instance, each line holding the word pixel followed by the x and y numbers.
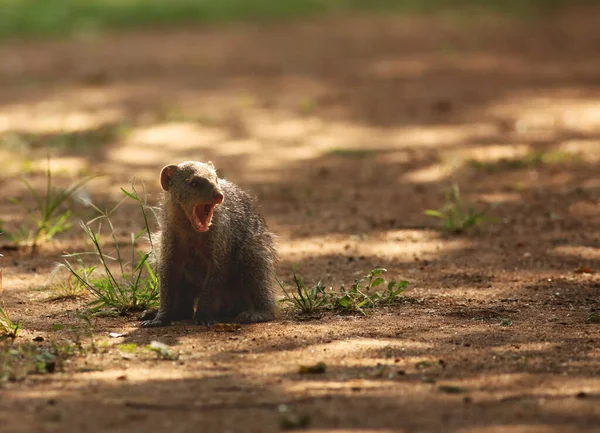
pixel 218 197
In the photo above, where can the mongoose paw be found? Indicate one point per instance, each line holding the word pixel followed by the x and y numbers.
pixel 157 322
pixel 253 317
pixel 148 315
pixel 205 322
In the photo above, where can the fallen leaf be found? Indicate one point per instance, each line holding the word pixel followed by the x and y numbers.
pixel 583 270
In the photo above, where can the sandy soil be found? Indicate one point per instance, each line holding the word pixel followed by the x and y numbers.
pixel 347 129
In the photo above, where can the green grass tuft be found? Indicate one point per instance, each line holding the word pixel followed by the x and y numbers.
pixel 71 287
pixel 455 218
pixel 130 284
pixel 48 217
pixel 306 300
pixel 8 328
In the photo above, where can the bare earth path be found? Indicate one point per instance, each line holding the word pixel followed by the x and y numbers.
pixel 346 129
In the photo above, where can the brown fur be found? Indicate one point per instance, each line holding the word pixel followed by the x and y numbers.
pixel 221 272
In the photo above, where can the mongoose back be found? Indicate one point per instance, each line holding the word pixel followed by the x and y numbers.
pixel 216 258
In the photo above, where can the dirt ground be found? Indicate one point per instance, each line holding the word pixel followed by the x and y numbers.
pixel 347 129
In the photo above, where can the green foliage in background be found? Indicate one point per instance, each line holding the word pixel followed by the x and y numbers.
pixel 67 17
pixel 50 214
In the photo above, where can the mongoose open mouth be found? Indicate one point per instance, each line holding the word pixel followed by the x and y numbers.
pixel 202 216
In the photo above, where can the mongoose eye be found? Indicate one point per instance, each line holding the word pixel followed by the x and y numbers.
pixel 197 182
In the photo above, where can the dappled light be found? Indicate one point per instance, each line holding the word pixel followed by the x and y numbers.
pixel 457 150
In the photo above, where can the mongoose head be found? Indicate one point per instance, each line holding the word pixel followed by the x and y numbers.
pixel 194 186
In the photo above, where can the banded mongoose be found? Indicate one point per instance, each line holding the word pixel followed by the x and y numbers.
pixel 216 257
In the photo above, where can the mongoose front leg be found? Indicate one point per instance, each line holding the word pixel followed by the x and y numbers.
pixel 206 308
pixel 170 269
pixel 162 317
pixel 204 321
pixel 184 305
pixel 149 314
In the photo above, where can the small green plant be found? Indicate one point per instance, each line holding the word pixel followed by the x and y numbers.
pixel 307 300
pixel 131 284
pixel 307 106
pixel 127 347
pixel 8 328
pixel 19 361
pixel 455 219
pixel 162 351
pixel 360 296
pixel 48 217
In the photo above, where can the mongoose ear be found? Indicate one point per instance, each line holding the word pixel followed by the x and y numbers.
pixel 211 165
pixel 165 176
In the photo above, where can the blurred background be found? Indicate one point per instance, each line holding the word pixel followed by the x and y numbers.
pixel 345 116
